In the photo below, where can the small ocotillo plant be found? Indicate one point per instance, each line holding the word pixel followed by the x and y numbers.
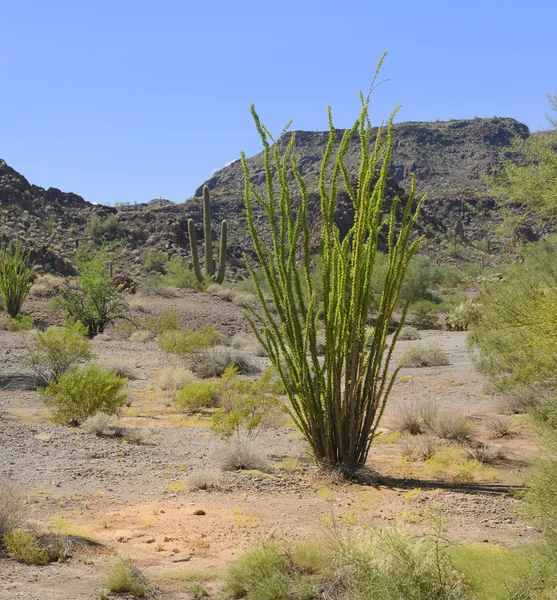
pixel 16 277
pixel 338 403
pixel 210 266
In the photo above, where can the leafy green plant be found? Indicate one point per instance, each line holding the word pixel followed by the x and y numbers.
pixel 168 320
pixel 156 262
pixel 336 403
pixel 96 303
pixel 16 277
pixel 56 350
pixel 20 323
pixel 198 394
pixel 103 230
pixel 179 275
pixel 82 393
pixel 187 342
pixel 25 547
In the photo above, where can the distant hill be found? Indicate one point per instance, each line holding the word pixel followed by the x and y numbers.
pixel 449 159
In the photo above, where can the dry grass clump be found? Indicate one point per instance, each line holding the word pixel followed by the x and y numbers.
pixel 488 455
pixel 500 425
pixel 99 423
pixel 221 292
pixel 409 333
pixel 512 405
pixel 142 336
pixel 240 454
pixel 453 426
pixel 174 378
pixel 416 418
pixel 244 300
pixel 248 342
pixel 119 368
pixel 429 355
pixel 415 448
pixel 46 286
pixel 213 362
pixel 12 509
pixel 201 480
pixel 123 576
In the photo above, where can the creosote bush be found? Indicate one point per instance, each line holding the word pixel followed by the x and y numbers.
pixel 186 342
pixel 16 277
pixel 82 393
pixel 336 402
pixel 56 350
pixel 424 314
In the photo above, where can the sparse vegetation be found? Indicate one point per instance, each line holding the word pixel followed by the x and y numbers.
pixel 123 576
pixel 12 510
pixel 25 547
pixel 453 426
pixel 416 417
pixel 409 333
pixel 99 423
pixel 425 314
pixel 424 355
pixel 186 342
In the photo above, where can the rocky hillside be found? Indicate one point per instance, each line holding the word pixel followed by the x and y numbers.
pixel 449 158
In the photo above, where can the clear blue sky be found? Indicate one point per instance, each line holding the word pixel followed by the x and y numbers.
pixel 130 100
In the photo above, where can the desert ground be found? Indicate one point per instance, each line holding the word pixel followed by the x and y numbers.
pixel 136 498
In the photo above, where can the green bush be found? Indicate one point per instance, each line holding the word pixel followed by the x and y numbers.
pixel 97 303
pixel 25 547
pixel 20 323
pixel 187 342
pixel 16 277
pixel 102 230
pixel 179 275
pixel 424 314
pixel 80 394
pixel 156 262
pixel 198 394
pixel 168 320
pixel 56 350
pixel 428 355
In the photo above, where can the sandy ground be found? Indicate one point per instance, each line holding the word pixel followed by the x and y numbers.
pixel 135 500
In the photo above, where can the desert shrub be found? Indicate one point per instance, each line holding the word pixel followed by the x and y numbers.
pixel 168 320
pixel 99 423
pixel 418 447
pixel 80 394
pixel 12 509
pixel 378 564
pixel 453 426
pixel 16 277
pixel 213 362
pixel 19 323
pixel 409 333
pixel 156 262
pixel 56 350
pixel 463 316
pixel 488 455
pixel 25 547
pixel 179 275
pixel 448 275
pixel 174 378
pixel 134 435
pixel 197 590
pixel 102 230
pixel 429 355
pixel 244 300
pixel 198 394
pixel 142 336
pixel 187 342
pixel 124 576
pixel 424 314
pixel 416 417
pixel 47 286
pixel 454 464
pixel 246 404
pixel 97 302
pixel 240 454
pixel 500 425
pixel 115 365
pixel 223 293
pixel 200 480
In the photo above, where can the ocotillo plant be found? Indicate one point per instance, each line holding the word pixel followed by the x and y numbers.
pixel 16 277
pixel 210 266
pixel 337 403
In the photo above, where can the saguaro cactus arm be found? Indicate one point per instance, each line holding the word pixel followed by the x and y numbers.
pixel 209 260
pixel 219 278
pixel 194 253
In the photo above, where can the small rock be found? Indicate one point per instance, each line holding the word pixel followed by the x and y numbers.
pixel 199 512
pixel 150 540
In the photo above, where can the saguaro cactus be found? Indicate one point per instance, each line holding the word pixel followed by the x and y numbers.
pixel 210 265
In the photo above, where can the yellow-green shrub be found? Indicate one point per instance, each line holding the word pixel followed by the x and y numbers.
pixel 25 547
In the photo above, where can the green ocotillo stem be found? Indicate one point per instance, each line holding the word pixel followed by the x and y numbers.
pixel 193 247
pixel 209 260
pixel 222 253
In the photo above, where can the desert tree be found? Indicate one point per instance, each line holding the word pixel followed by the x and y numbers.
pixel 336 402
